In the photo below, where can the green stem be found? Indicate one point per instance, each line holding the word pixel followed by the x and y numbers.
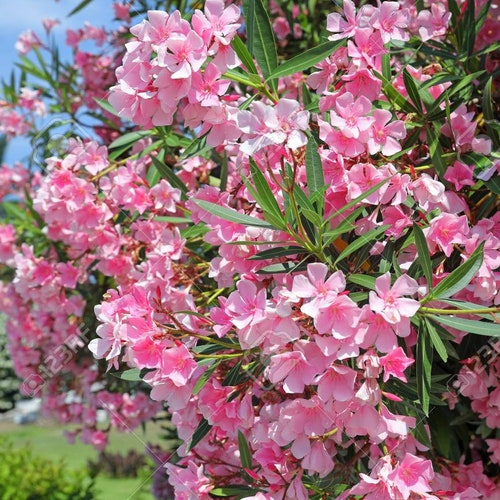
pixel 234 347
pixel 220 356
pixel 480 310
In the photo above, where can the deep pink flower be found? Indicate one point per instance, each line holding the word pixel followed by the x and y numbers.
pixel 385 136
pixel 395 363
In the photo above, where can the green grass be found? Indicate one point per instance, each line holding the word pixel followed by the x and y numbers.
pixel 47 440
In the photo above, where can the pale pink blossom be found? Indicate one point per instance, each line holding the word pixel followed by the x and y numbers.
pixel 389 301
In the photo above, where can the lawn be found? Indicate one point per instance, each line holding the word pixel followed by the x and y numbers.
pixel 47 440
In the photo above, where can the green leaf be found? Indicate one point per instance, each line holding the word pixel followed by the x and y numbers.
pixel 79 7
pixel 232 215
pixel 261 42
pixel 435 150
pixel 264 196
pixel 469 29
pixel 362 280
pixel 436 339
pixel 459 278
pixel 167 173
pixel 201 431
pixel 205 377
pixel 345 226
pixel 314 171
pixel 245 455
pixel 424 257
pixel 129 138
pixel 237 75
pixel 424 367
pixel 306 59
pixel 104 104
pixel 283 267
pixel 487 328
pixel 361 241
pixel 249 15
pixel 132 375
pixel 198 147
pixel 237 492
pixel 272 253
pixel 412 89
pixel 244 54
pixel 356 200
pixel 386 66
pixel 173 220
pixel 235 375
pixel 394 95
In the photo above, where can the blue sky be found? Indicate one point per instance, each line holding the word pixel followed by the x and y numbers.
pixel 17 16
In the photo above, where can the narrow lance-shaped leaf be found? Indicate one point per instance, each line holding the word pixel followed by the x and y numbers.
pixel 459 278
pixel 394 95
pixel 424 367
pixel 306 59
pixel 435 150
pixel 234 491
pixel 205 377
pixel 361 241
pixel 79 7
pixel 129 138
pixel 356 200
pixel 201 431
pixel 265 196
pixel 244 54
pixel 314 170
pixel 167 173
pixel 487 328
pixel 436 340
pixel 245 456
pixel 263 44
pixel 249 14
pixel 272 253
pixel 412 89
pixel 232 215
pixel 424 257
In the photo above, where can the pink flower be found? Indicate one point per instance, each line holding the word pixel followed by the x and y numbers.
pixel 389 303
pixel 207 88
pixel 294 369
pixel 122 11
pixel 246 305
pixel 218 22
pixel 433 23
pixel 337 382
pixel 446 230
pixel 412 475
pixel 339 142
pixel 460 175
pixel 266 125
pixel 350 115
pixel 384 135
pixel 187 54
pixel 344 28
pixel 390 20
pixel 314 286
pixel 366 48
pixel 27 41
pixel 395 363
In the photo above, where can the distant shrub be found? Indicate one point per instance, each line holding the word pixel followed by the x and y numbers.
pixel 118 465
pixel 25 476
